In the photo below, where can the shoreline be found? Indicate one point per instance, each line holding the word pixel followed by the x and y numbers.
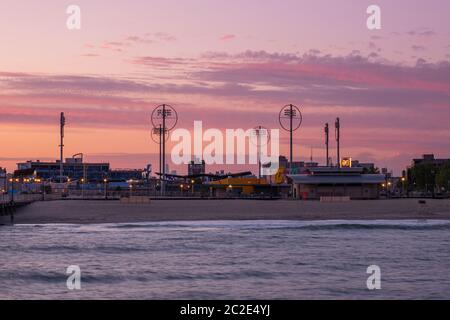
pixel 99 212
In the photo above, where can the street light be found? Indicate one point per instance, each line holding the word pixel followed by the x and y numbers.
pixel 105 181
pixel 11 180
pixel 193 186
pixel 82 188
pixel 403 179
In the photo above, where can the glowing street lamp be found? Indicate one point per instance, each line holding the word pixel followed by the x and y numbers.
pixel 82 188
pixel 105 181
pixel 11 180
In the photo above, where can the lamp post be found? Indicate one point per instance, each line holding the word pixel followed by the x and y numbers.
pixel 105 181
pixel 259 132
pixel 11 180
pixel 165 118
pixel 290 119
pixel 403 179
pixel 292 115
pixel 82 188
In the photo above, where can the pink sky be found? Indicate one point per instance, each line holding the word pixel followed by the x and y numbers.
pixel 231 64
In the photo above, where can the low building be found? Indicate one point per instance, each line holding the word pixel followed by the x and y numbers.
pixel 239 186
pixel 297 166
pixel 73 168
pixel 430 159
pixel 334 182
pixel 126 174
pixel 368 167
pixel 196 167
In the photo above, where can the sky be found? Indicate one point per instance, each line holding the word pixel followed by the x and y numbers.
pixel 231 64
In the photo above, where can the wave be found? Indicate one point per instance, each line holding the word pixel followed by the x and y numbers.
pixel 294 225
pixel 221 226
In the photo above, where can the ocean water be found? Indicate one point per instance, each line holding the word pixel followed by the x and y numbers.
pixel 227 260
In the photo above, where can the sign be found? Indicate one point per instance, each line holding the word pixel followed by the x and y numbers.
pixel 346 162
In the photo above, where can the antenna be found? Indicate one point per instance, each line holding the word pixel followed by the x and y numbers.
pixel 338 139
pixel 327 142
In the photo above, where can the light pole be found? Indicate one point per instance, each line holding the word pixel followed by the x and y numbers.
pixel 327 142
pixel 12 189
pixel 82 188
pixel 290 119
pixel 258 132
pixel 165 118
pixel 403 185
pixel 105 181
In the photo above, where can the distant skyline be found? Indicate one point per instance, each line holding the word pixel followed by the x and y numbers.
pixel 230 64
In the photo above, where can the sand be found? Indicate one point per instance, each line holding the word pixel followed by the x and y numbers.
pixel 86 212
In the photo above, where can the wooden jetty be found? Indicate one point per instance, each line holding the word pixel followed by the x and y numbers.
pixel 10 208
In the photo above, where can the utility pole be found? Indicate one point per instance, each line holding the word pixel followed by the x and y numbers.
pixel 258 132
pixel 163 183
pixel 338 140
pixel 327 142
pixel 164 118
pixel 161 137
pixel 62 124
pixel 292 114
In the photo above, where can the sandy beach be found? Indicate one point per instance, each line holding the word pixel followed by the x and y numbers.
pixel 86 212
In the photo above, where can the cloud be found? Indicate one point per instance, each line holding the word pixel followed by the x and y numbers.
pixel 419 32
pixel 418 48
pixel 386 108
pixel 129 41
pixel 159 62
pixel 423 32
pixel 227 37
pixel 90 55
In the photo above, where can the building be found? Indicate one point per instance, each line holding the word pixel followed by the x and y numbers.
pixel 297 166
pixel 126 174
pixel 196 167
pixel 368 167
pixel 421 175
pixel 337 182
pixel 245 187
pixel 73 168
pixel 238 186
pixel 430 159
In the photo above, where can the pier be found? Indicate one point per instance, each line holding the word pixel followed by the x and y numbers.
pixel 9 207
